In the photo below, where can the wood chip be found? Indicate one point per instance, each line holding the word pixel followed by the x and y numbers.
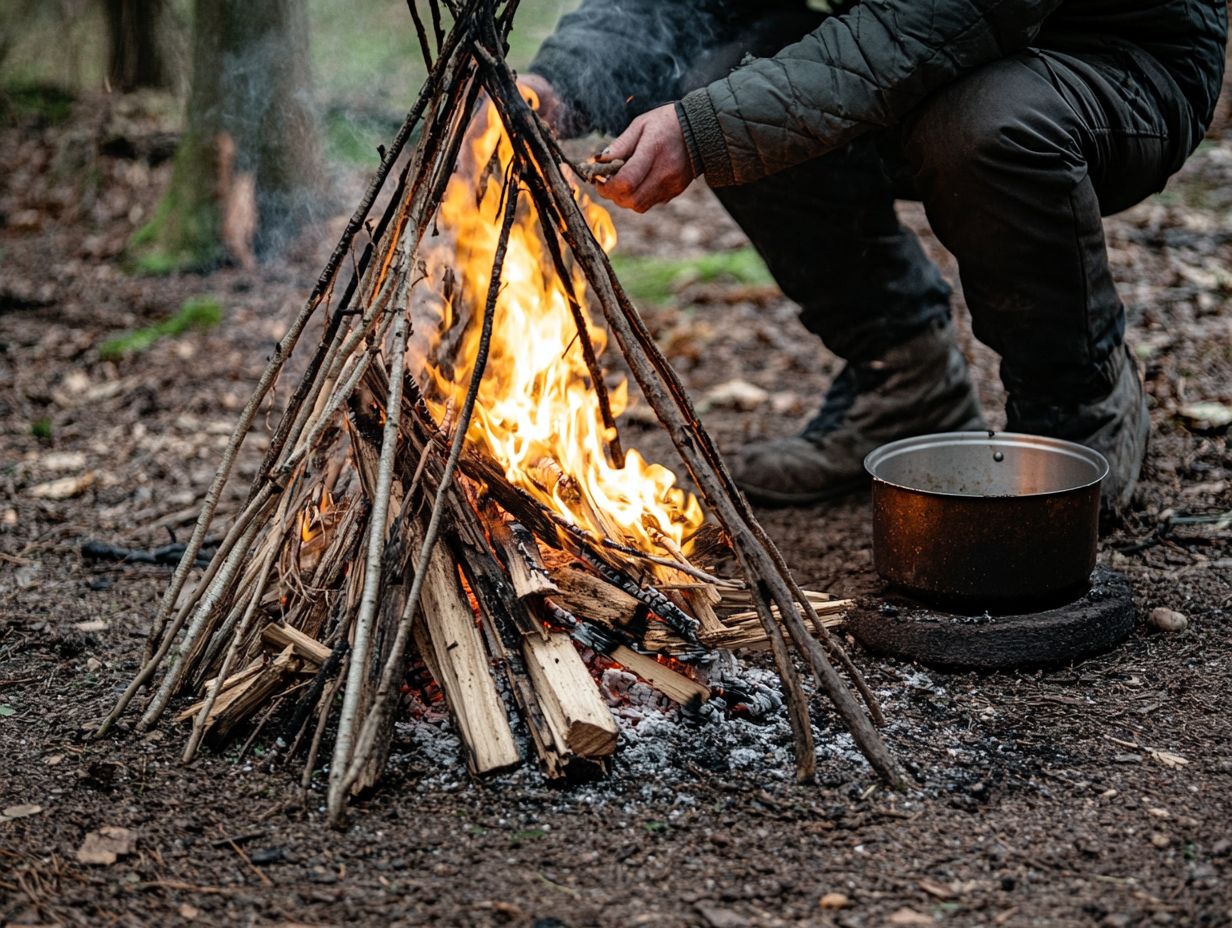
pixel 107 845
pixel 20 811
pixel 905 916
pixel 1167 758
pixel 64 487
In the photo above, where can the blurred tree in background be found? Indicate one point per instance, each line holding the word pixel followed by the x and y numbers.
pixel 138 38
pixel 248 172
pixel 264 109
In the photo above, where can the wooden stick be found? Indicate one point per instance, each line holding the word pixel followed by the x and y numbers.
pixel 377 714
pixel 597 171
pixel 672 684
pixel 281 636
pixel 282 351
pixel 460 665
pixel 579 718
pixel 521 552
pixel 377 528
pixel 670 401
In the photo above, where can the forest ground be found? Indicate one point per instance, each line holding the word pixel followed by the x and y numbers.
pixel 1092 794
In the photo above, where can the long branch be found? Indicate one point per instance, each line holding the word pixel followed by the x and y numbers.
pixel 376 715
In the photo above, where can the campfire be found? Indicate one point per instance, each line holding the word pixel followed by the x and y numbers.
pixel 447 486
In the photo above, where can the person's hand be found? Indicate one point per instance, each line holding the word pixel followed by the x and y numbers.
pixel 544 99
pixel 657 166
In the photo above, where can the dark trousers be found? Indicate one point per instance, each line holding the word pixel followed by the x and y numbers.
pixel 1015 163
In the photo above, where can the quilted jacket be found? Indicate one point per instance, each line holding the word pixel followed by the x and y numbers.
pixel 861 69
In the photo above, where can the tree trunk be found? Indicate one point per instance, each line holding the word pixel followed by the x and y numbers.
pixel 136 38
pixel 248 172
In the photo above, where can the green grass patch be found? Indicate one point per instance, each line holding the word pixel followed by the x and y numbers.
pixel 199 313
pixel 38 104
pixel 41 429
pixel 658 280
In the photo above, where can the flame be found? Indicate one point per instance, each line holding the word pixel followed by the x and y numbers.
pixel 536 413
pixel 313 520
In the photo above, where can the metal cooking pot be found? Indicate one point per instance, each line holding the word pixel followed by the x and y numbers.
pixel 986 517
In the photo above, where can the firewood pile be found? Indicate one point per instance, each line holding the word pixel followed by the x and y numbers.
pixel 433 493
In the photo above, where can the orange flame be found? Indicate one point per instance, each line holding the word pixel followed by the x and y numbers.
pixel 536 412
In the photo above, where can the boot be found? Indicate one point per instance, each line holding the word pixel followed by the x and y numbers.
pixel 917 387
pixel 1117 426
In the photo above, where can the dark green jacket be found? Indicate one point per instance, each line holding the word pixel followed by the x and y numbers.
pixel 861 69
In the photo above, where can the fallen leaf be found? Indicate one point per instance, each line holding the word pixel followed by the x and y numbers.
pixel 107 845
pixel 1167 758
pixel 1207 416
pixel 62 460
pixel 736 394
pixel 91 625
pixel 6 710
pixel 71 387
pixel 907 916
pixel 20 811
pixel 936 889
pixel 63 488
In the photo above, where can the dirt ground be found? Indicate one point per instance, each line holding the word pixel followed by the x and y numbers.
pixel 1094 794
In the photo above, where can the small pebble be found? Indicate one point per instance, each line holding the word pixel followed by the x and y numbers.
pixel 834 901
pixel 1167 620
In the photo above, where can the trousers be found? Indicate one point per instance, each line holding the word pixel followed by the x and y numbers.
pixel 1015 164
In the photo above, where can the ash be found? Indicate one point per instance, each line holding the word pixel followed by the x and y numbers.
pixel 741 733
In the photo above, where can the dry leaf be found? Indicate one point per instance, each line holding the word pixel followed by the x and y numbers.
pixel 737 394
pixel 107 845
pixel 64 488
pixel 1207 416
pixel 63 460
pixel 938 890
pixel 91 625
pixel 1167 758
pixel 907 916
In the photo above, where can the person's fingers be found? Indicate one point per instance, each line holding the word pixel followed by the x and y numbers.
pixel 623 145
pixel 621 187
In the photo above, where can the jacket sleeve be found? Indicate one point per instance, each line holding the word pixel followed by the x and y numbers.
pixel 612 60
pixel 859 71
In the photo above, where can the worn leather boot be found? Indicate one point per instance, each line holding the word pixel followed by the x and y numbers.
pixel 915 388
pixel 1117 426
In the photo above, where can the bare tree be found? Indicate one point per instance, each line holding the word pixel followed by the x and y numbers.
pixel 248 171
pixel 137 34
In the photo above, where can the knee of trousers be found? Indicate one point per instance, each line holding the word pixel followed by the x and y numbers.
pixel 1000 134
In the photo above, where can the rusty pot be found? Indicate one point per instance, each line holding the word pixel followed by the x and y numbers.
pixel 988 518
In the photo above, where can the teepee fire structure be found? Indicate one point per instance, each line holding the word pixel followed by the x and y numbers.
pixel 447 481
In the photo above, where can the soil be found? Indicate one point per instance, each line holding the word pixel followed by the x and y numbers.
pixel 1091 794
